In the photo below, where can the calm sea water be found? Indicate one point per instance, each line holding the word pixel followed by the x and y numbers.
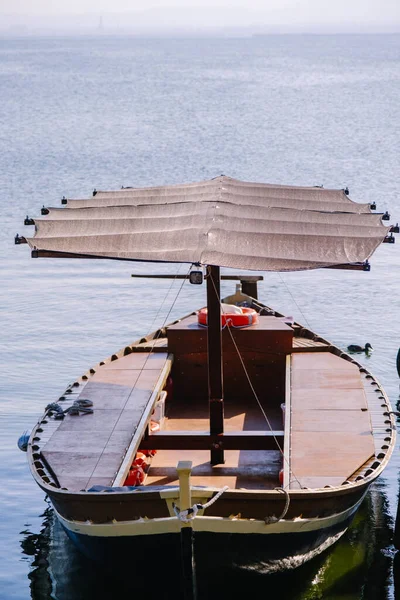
pixel 78 113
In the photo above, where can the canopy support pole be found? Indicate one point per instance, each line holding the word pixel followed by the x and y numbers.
pixel 215 376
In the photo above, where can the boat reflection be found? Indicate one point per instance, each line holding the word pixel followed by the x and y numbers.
pixel 354 568
pixel 37 546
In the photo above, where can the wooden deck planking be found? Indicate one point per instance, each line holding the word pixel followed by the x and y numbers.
pixel 320 482
pixel 88 449
pixel 349 421
pixel 136 360
pixel 325 360
pixel 331 432
pixel 155 345
pixel 242 468
pixel 315 378
pixel 334 454
pixel 309 398
pixel 237 417
pixel 301 344
pixel 49 425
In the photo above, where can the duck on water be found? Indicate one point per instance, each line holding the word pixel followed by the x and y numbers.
pixel 355 349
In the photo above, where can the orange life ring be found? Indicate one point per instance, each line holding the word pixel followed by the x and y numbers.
pixel 149 453
pixel 248 317
pixel 135 476
pixel 140 461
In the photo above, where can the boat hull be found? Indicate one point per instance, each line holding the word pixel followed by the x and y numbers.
pixel 217 543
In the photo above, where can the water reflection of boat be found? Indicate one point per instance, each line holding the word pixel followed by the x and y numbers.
pixel 36 546
pixel 270 488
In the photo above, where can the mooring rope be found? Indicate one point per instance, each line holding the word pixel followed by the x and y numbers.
pixel 190 513
pixel 273 519
pixel 79 406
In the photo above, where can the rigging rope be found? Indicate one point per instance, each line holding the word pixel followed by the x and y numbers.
pixel 83 405
pixel 153 340
pixel 176 297
pixel 164 300
pixel 273 519
pixel 294 300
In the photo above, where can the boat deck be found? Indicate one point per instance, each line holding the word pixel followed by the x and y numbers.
pixel 333 412
pixel 331 432
pixel 88 450
pixel 248 469
pixel 302 344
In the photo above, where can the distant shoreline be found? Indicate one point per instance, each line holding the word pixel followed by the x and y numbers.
pixel 187 34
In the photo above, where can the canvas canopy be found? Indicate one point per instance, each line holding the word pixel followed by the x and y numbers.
pixel 223 222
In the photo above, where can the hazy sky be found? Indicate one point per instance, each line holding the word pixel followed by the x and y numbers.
pixel 357 14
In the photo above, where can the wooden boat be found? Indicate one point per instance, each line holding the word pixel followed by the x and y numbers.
pixel 267 436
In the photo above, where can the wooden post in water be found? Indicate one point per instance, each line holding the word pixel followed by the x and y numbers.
pixel 214 349
pixel 184 469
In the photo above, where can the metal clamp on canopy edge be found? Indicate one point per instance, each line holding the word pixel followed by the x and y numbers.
pixel 389 239
pixel 19 239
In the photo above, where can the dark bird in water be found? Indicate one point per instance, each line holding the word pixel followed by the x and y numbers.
pixel 355 348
